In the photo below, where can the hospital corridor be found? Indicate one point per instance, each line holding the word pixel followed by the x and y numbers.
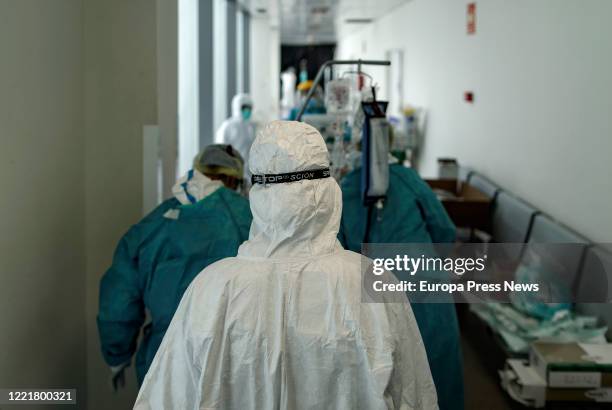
pixel 306 204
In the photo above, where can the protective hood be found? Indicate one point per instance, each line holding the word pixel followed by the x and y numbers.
pixel 295 219
pixel 237 102
pixel 283 325
pixel 194 187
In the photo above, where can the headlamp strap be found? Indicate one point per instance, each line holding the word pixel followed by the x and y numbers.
pixel 290 177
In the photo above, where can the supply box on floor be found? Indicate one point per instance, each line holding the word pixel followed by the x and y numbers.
pixel 560 372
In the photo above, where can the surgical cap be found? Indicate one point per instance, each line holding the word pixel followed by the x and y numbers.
pixel 220 159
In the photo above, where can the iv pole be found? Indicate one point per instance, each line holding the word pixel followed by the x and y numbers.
pixel 331 63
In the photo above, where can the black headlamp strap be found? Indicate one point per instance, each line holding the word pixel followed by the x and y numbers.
pixel 290 177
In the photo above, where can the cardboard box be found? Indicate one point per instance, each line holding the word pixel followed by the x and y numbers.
pixel 466 205
pixel 525 385
pixel 598 395
pixel 570 365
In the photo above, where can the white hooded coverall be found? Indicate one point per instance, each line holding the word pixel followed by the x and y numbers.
pixel 236 131
pixel 282 325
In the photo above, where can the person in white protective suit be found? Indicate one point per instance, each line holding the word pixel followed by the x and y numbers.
pixel 238 130
pixel 282 325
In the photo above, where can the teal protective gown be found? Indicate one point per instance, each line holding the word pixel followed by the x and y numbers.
pixel 412 214
pixel 155 262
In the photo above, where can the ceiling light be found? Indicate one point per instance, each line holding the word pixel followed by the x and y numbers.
pixel 319 10
pixel 358 21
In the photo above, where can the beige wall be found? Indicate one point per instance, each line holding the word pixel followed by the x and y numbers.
pixel 78 80
pixel 540 71
pixel 121 94
pixel 167 89
pixel 42 264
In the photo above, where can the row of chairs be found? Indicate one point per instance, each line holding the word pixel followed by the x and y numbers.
pixel 588 268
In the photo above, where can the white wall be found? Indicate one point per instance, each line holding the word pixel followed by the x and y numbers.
pixel 120 98
pixel 265 69
pixel 42 262
pixel 189 97
pixel 220 75
pixel 540 71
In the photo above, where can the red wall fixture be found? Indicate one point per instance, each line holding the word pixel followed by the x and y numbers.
pixel 471 18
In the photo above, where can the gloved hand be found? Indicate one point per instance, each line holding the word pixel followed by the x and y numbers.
pixel 118 375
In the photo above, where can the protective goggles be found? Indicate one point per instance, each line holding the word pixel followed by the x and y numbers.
pixel 290 177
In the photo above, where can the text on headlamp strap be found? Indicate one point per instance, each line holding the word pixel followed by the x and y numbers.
pixel 290 177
